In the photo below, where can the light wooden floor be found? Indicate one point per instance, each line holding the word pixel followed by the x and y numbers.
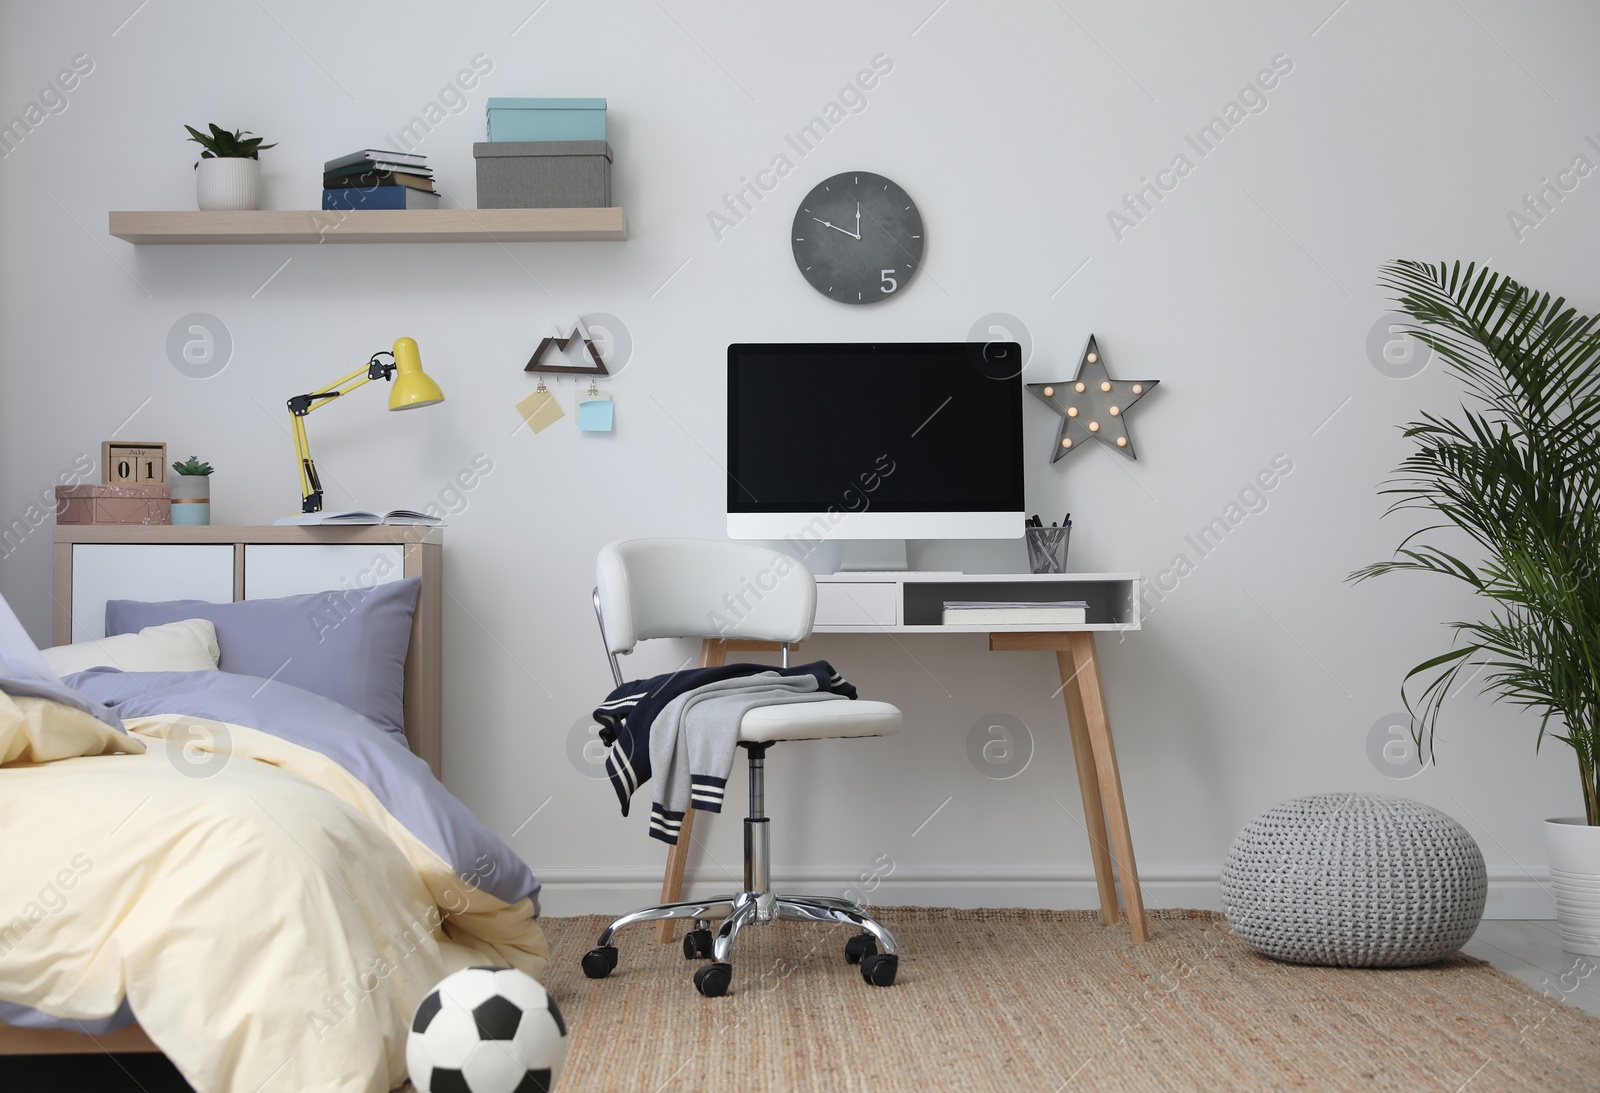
pixel 1530 949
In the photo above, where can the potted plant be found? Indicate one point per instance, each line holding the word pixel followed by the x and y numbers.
pixel 191 492
pixel 1517 472
pixel 228 173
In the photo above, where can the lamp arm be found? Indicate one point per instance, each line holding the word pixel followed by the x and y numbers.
pixel 301 405
pixel 310 484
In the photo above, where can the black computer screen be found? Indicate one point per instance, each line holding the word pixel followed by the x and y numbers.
pixel 929 427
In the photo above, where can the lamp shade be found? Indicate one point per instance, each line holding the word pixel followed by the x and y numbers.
pixel 412 386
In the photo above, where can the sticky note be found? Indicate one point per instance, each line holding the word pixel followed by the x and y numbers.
pixel 540 410
pixel 596 413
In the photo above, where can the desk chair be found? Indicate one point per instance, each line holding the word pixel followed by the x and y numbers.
pixel 690 588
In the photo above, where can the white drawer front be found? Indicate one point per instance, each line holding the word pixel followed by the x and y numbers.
pixel 144 571
pixel 858 604
pixel 272 570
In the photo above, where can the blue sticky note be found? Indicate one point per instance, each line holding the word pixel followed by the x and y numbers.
pixel 595 415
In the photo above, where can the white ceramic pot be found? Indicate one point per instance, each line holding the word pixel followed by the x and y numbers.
pixel 191 499
pixel 231 184
pixel 1575 880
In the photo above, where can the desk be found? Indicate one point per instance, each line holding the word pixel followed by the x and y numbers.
pixel 912 603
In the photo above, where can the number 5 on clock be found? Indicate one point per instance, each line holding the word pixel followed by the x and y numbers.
pixel 889 284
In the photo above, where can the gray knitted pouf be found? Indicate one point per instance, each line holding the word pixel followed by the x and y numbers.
pixel 1354 880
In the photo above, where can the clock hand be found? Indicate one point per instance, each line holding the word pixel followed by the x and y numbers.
pixel 836 228
pixel 858 221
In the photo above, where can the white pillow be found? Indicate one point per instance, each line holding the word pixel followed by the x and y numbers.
pixel 187 646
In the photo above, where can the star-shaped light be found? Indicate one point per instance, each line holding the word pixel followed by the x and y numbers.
pixel 1092 405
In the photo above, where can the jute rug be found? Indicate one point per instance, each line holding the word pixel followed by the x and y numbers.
pixel 1018 1000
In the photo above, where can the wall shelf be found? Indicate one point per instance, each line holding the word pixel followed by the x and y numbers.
pixel 374 226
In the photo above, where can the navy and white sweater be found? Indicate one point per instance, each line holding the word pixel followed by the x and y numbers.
pixel 628 712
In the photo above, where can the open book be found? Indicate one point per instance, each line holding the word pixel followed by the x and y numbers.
pixel 352 517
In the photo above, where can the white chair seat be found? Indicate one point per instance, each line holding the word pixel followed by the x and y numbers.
pixel 820 721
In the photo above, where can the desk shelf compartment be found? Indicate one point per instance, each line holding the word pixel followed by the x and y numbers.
pixel 914 603
pixel 1110 602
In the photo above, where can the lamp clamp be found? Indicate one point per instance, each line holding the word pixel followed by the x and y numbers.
pixel 379 371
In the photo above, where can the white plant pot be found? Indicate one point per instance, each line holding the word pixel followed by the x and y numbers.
pixel 191 499
pixel 1574 849
pixel 230 184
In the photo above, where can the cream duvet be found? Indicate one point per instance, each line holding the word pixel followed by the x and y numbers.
pixel 265 914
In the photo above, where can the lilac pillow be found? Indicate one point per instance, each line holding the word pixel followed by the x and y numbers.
pixel 347 644
pixel 24 674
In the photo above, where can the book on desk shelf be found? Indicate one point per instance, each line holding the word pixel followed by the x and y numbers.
pixel 368 180
pixel 368 156
pixel 333 179
pixel 387 197
pixel 357 518
pixel 1013 613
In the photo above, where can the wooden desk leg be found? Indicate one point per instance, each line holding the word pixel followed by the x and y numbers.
pixel 1087 667
pixel 713 654
pixel 1088 787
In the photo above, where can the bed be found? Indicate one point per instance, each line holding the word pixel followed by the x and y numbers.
pixel 270 884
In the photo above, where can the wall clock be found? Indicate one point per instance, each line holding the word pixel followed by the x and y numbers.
pixel 857 238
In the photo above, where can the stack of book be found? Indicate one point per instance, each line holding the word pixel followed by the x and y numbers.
pixel 375 179
pixel 1012 613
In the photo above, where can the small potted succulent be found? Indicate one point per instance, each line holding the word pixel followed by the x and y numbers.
pixel 228 173
pixel 191 492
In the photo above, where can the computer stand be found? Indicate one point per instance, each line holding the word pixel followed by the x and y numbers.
pixel 873 556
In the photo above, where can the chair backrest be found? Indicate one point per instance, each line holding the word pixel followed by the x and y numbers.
pixel 701 588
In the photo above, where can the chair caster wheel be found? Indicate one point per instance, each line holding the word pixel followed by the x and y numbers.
pixel 879 968
pixel 598 963
pixel 713 979
pixel 697 945
pixel 860 947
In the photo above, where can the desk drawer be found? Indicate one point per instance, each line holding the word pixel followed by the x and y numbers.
pixel 858 604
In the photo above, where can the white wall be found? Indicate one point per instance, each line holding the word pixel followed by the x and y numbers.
pixel 1403 130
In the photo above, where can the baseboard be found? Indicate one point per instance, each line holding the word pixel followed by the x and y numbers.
pixel 603 892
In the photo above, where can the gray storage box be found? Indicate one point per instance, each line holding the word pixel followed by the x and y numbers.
pixel 544 174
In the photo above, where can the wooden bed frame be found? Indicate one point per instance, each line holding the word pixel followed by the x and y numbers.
pixel 423 557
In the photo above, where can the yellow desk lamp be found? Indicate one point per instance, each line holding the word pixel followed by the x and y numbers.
pixel 412 388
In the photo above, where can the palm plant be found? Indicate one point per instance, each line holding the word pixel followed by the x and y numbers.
pixel 1518 472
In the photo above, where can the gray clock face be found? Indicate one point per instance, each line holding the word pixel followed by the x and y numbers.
pixel 857 238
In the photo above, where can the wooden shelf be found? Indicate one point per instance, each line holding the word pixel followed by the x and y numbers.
pixel 374 226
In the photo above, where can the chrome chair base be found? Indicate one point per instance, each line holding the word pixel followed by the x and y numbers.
pixel 872 946
pixel 746 908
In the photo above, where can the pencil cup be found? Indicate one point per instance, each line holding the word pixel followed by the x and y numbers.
pixel 1047 549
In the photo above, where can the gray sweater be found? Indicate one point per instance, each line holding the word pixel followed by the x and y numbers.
pixel 696 735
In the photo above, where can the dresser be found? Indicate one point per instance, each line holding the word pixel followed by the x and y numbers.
pixel 93 564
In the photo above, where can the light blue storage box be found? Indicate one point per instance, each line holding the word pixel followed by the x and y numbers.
pixel 547 119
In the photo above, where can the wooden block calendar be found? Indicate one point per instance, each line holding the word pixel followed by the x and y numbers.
pixel 132 463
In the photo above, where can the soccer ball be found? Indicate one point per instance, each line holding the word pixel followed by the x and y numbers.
pixel 487 1030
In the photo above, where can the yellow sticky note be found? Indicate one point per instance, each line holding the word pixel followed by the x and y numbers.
pixel 540 410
